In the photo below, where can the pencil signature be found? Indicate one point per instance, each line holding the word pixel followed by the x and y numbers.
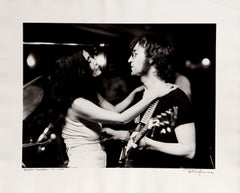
pixel 200 171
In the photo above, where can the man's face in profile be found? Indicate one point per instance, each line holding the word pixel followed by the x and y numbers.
pixel 138 61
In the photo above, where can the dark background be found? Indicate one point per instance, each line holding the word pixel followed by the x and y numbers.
pixel 48 41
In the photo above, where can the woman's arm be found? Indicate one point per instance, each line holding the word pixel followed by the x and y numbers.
pixel 185 147
pixel 87 110
pixel 113 134
pixel 120 106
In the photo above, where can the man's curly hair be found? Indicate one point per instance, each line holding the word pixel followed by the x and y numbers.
pixel 159 52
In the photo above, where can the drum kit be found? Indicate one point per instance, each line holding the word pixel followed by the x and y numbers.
pixel 32 97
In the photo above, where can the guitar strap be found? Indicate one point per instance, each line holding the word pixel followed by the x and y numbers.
pixel 147 115
pixel 141 131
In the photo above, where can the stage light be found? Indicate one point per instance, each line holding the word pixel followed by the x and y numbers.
pixel 188 64
pixel 31 60
pixel 205 62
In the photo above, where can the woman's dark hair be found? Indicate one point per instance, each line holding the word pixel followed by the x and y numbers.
pixel 159 51
pixel 70 79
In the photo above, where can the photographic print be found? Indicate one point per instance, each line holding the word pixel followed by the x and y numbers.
pixel 66 64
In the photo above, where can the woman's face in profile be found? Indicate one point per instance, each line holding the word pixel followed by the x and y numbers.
pixel 96 69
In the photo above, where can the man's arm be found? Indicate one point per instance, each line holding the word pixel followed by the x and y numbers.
pixel 185 147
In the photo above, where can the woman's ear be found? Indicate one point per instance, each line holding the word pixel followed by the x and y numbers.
pixel 85 54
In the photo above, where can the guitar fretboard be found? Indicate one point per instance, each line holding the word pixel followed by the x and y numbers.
pixel 148 114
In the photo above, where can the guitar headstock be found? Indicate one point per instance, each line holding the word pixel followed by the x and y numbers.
pixel 165 120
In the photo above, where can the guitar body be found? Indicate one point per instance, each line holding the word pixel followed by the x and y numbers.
pixel 141 131
pixel 165 121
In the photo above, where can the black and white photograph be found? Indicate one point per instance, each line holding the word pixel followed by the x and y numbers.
pixel 119 95
pixel 129 96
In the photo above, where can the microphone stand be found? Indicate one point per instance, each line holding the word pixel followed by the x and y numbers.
pixel 52 137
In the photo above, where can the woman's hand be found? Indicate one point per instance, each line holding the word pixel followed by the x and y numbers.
pixel 138 89
pixel 111 134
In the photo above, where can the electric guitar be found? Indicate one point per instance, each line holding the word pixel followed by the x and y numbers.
pixel 165 122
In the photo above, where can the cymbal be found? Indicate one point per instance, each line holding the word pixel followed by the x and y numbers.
pixel 32 96
pixel 32 81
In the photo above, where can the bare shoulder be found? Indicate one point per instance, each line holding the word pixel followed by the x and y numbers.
pixel 80 102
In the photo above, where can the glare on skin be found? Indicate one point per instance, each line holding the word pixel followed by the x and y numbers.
pixel 96 69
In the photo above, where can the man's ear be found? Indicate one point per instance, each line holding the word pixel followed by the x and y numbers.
pixel 154 70
pixel 150 61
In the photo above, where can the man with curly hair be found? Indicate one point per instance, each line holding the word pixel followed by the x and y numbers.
pixel 172 142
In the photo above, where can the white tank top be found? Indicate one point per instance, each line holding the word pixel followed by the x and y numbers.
pixel 81 132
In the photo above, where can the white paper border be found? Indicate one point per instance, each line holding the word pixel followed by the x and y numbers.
pixel 224 179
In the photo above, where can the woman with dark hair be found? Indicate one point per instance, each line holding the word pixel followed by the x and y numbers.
pixel 73 88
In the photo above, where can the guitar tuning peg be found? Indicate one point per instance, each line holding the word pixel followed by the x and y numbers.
pixel 168 129
pixel 166 122
pixel 161 123
pixel 169 112
pixel 163 131
pixel 164 114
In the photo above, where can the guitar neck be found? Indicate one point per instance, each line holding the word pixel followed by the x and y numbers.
pixel 143 131
pixel 142 126
pixel 148 114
